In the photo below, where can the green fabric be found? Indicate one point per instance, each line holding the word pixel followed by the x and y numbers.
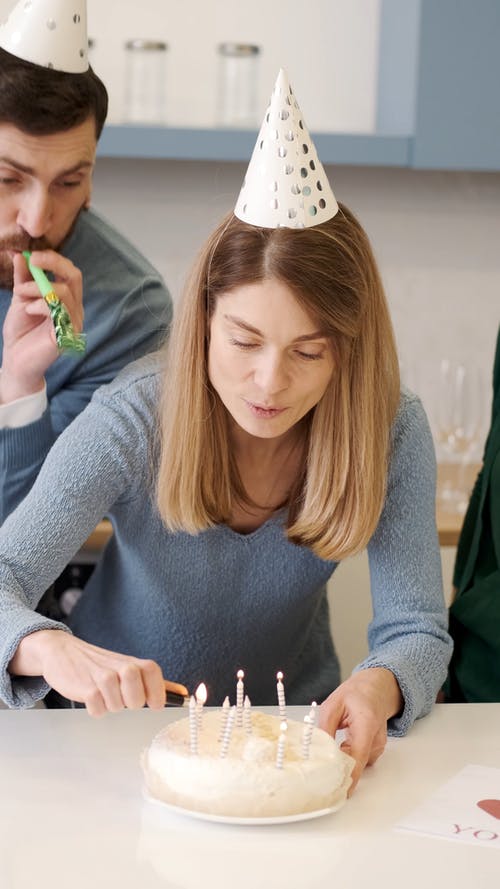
pixel 474 673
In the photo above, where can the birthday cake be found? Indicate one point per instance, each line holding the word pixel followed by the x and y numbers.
pixel 265 769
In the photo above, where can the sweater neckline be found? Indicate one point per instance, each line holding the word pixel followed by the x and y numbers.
pixel 275 519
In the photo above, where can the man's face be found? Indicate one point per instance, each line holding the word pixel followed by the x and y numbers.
pixel 44 183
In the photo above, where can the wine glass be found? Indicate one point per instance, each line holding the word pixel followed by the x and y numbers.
pixel 459 423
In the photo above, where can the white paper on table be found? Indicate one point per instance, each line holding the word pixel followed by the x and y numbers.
pixel 465 809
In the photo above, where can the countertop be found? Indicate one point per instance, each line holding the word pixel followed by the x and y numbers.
pixel 72 813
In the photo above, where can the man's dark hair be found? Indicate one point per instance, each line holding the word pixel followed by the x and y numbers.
pixel 41 101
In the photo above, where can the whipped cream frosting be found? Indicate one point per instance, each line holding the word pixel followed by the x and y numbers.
pixel 246 783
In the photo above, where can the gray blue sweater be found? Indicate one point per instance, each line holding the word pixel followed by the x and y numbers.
pixel 127 310
pixel 205 605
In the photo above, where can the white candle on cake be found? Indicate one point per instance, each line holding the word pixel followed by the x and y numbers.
pixel 223 719
pixel 312 712
pixel 281 695
pixel 247 715
pixel 307 736
pixel 201 697
pixel 240 691
pixel 227 732
pixel 280 753
pixel 193 726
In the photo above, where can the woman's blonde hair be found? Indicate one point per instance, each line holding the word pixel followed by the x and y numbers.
pixel 332 272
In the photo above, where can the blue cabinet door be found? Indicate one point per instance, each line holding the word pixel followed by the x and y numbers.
pixel 457 115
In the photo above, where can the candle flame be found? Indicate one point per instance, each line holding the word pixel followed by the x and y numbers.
pixel 279 675
pixel 240 674
pixel 201 693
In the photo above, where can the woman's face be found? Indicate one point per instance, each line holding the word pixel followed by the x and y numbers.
pixel 267 359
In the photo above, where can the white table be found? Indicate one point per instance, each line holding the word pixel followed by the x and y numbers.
pixel 72 815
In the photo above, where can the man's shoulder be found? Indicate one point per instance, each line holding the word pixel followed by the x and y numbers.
pixel 101 251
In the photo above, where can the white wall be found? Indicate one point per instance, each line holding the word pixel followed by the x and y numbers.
pixel 436 236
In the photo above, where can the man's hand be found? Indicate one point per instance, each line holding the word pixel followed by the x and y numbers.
pixel 28 332
pixel 362 705
pixel 102 680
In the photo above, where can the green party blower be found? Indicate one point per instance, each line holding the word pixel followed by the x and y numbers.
pixel 67 340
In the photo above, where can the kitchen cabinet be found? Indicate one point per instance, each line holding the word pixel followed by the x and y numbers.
pixel 457 120
pixel 438 99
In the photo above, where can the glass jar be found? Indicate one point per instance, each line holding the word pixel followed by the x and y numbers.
pixel 145 81
pixel 237 85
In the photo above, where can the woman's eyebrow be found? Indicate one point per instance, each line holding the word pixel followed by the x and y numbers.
pixel 315 335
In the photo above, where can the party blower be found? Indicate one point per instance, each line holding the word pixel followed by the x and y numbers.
pixel 67 340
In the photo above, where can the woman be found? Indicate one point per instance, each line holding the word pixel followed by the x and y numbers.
pixel 281 445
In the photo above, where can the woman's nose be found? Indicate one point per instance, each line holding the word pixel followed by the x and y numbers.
pixel 271 374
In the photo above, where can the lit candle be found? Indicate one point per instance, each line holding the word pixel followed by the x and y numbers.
pixel 240 691
pixel 227 732
pixel 281 695
pixel 247 715
pixel 312 712
pixel 224 715
pixel 281 745
pixel 193 726
pixel 201 696
pixel 306 736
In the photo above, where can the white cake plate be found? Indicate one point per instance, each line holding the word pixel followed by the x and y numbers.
pixel 230 819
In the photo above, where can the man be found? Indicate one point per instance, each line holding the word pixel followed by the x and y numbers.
pixel 52 110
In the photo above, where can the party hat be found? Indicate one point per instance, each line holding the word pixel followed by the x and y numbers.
pixel 285 185
pixel 51 33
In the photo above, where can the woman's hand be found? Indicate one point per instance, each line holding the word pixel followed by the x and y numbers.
pixel 362 705
pixel 102 680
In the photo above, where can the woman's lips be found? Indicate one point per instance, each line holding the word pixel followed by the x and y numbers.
pixel 265 413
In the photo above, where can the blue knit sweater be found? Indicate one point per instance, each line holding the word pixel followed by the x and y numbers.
pixel 127 310
pixel 205 605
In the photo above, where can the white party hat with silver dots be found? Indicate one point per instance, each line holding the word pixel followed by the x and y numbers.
pixel 285 185
pixel 50 33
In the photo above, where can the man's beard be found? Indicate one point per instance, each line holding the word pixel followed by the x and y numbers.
pixel 17 243
pixel 22 241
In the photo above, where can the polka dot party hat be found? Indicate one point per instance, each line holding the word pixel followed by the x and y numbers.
pixel 285 184
pixel 50 33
